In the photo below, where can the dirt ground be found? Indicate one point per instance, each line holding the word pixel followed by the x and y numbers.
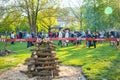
pixel 66 73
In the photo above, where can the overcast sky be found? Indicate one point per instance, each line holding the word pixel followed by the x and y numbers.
pixel 67 3
pixel 72 3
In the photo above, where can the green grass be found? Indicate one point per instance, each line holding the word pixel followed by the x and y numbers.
pixel 102 62
pixel 12 60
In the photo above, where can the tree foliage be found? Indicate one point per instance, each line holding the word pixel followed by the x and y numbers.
pixel 95 17
pixel 33 8
pixel 9 22
pixel 30 9
pixel 91 14
pixel 47 19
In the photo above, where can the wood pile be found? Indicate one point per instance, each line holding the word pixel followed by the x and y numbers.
pixel 5 52
pixel 43 62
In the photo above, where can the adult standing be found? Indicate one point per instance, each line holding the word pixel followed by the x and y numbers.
pixel 32 36
pixel 42 34
pixel 20 34
pixel 50 34
pixel 101 36
pixel 72 36
pixel 112 36
pixel 12 36
pixel 95 35
pixel 29 43
pixel 89 41
pixel 66 36
pixel 60 35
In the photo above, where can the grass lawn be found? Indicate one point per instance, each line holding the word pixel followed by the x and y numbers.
pixel 97 64
pixel 21 53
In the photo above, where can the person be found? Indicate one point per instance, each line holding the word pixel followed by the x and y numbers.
pixel 60 35
pixel 50 34
pixel 28 42
pixel 42 34
pixel 89 41
pixel 46 35
pixel 33 35
pixel 101 35
pixel 72 36
pixel 20 35
pixel 66 36
pixel 112 36
pixel 56 34
pixel 94 41
pixel 117 43
pixel 12 36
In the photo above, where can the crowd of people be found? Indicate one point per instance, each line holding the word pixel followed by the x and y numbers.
pixel 87 34
pixel 67 34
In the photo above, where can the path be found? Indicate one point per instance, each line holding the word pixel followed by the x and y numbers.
pixel 66 73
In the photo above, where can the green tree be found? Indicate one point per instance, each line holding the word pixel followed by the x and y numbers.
pixel 28 8
pixel 32 8
pixel 47 19
pixel 95 18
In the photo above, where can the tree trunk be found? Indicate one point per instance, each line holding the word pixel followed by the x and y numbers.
pixel 32 15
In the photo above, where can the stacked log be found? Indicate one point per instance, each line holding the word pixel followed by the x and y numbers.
pixel 5 52
pixel 43 62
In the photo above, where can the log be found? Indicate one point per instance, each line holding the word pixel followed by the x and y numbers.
pixel 44 78
pixel 47 67
pixel 31 68
pixel 46 54
pixel 30 59
pixel 53 52
pixel 57 62
pixel 52 45
pixel 43 62
pixel 44 49
pixel 30 75
pixel 28 63
pixel 50 73
pixel 46 59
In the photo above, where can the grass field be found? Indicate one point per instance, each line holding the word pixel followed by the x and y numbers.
pixel 97 64
pixel 21 53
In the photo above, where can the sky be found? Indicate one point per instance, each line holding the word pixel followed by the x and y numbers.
pixel 68 3
pixel 72 3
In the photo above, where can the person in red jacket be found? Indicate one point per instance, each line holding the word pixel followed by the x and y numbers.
pixel 50 34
